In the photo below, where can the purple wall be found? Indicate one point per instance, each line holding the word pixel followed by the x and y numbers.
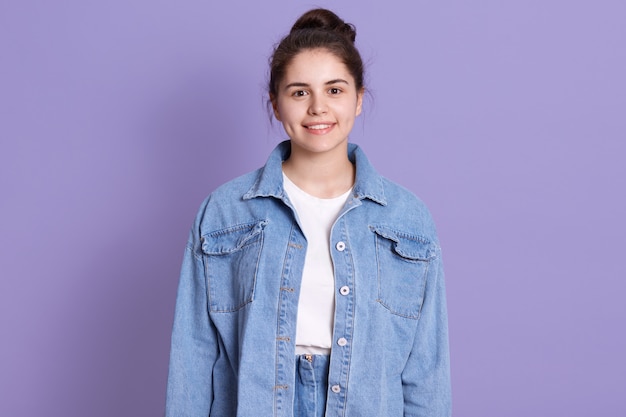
pixel 507 117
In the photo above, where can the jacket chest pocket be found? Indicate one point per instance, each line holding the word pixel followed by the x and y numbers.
pixel 403 260
pixel 231 260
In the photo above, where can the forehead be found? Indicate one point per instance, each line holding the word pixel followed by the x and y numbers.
pixel 316 65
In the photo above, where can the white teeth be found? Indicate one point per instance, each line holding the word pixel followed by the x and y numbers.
pixel 319 127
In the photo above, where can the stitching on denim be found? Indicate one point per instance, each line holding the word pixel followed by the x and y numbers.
pixel 237 227
pixel 381 228
pixel 432 249
pixel 379 280
pixel 249 299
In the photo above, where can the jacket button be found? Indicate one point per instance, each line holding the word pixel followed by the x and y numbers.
pixel 345 290
pixel 342 341
pixel 340 246
pixel 336 389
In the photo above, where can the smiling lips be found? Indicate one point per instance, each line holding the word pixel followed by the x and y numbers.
pixel 319 128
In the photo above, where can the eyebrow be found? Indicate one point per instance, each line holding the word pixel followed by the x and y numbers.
pixel 335 81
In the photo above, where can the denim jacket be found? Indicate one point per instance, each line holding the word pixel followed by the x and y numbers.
pixel 233 339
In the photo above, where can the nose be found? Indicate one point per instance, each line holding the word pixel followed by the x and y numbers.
pixel 317 106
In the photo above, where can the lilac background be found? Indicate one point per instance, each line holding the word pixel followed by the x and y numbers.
pixel 507 117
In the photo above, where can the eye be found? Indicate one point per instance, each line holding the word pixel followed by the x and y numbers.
pixel 334 90
pixel 299 93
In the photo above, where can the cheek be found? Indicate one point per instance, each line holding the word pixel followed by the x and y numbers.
pixel 351 111
pixel 288 113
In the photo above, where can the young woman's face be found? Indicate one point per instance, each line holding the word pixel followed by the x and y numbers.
pixel 317 102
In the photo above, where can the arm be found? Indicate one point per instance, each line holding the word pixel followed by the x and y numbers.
pixel 426 376
pixel 194 342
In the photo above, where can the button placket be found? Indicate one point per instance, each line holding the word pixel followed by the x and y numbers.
pixel 344 315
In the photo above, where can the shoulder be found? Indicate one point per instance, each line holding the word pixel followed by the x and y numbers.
pixel 232 191
pixel 393 205
pixel 406 211
pixel 226 203
pixel 399 194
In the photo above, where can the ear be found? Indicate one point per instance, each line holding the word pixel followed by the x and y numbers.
pixel 359 100
pixel 275 107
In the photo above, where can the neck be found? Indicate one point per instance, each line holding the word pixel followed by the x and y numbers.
pixel 323 176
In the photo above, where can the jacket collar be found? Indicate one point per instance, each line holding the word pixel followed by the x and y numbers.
pixel 269 183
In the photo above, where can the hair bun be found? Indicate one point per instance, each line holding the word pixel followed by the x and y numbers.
pixel 324 19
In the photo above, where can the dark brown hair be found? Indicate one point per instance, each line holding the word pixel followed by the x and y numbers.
pixel 317 28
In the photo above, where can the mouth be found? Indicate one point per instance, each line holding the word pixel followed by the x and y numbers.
pixel 319 127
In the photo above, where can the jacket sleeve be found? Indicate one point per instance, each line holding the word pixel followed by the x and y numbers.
pixel 194 341
pixel 426 376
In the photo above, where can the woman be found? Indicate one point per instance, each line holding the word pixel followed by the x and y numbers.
pixel 312 286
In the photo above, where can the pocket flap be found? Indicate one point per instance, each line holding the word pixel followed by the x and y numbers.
pixel 232 239
pixel 407 245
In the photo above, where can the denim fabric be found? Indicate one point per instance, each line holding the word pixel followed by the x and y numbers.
pixel 233 339
pixel 311 385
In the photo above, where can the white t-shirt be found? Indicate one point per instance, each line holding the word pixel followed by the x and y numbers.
pixel 316 306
